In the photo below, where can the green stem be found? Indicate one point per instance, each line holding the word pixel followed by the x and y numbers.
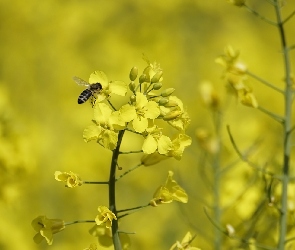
pixel 128 171
pixel 112 191
pixel 254 12
pixel 287 126
pixel 95 182
pixel 79 221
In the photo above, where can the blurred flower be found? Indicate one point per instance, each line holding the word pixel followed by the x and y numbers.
pixel 230 230
pixel 140 112
pixel 155 140
pixel 91 247
pixel 185 243
pixel 207 142
pixel 229 60
pixel 105 216
pixel 178 145
pixel 45 228
pixel 169 192
pixel 71 179
pixel 209 95
pixel 108 87
pixel 106 124
pixel 104 236
pixel 238 3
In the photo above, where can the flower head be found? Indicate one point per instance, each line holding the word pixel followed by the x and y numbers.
pixel 155 140
pixel 169 192
pixel 105 127
pixel 184 244
pixel 45 228
pixel 71 179
pixel 105 216
pixel 108 87
pixel 178 145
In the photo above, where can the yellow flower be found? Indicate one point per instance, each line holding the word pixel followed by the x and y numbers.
pixel 106 124
pixel 171 191
pixel 155 140
pixel 178 145
pixel 209 95
pixel 71 179
pixel 104 236
pixel 140 112
pixel 45 228
pixel 105 216
pixel 184 244
pixel 176 116
pixel 108 87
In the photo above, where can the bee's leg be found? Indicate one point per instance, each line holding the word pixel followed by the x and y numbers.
pixel 93 100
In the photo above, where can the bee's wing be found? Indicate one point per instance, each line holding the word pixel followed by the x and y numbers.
pixel 80 81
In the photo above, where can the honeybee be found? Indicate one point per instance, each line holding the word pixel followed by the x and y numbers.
pixel 91 90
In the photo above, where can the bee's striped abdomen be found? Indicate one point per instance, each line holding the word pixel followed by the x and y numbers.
pixel 84 96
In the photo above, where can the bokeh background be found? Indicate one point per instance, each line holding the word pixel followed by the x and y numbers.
pixel 44 43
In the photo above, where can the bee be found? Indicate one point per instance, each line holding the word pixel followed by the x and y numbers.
pixel 91 90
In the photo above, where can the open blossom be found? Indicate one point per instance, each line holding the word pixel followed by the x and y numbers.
pixel 178 145
pixel 105 216
pixel 45 228
pixel 71 179
pixel 108 87
pixel 140 112
pixel 171 191
pixel 105 127
pixel 156 141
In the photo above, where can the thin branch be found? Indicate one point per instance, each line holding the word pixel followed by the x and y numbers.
pixel 244 157
pixel 131 152
pixel 268 84
pixel 135 209
pixel 276 117
pixel 128 171
pixel 255 13
pixel 289 17
pixel 95 182
pixel 79 221
pixel 132 131
pixel 111 105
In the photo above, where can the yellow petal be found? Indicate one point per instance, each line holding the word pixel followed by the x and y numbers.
pixel 149 145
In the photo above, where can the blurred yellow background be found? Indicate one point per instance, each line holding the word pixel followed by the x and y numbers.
pixel 44 43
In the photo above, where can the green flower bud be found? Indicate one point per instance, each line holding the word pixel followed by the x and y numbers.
pixel 172 115
pixel 132 86
pixel 133 73
pixel 133 98
pixel 157 77
pixel 163 101
pixel 171 103
pixel 142 78
pixel 157 86
pixel 167 92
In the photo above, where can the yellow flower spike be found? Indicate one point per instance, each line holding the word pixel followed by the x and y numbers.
pixel 169 192
pixel 105 216
pixel 45 228
pixel 184 244
pixel 108 87
pixel 71 179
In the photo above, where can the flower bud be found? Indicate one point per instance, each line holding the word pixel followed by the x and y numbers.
pixel 133 98
pixel 142 78
pixel 157 86
pixel 132 86
pixel 133 73
pixel 163 101
pixel 157 77
pixel 172 115
pixel 167 92
pixel 152 159
pixel 171 104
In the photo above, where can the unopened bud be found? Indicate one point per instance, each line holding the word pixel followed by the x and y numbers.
pixel 133 73
pixel 132 86
pixel 167 92
pixel 163 101
pixel 157 86
pixel 172 115
pixel 157 77
pixel 133 98
pixel 142 78
pixel 171 103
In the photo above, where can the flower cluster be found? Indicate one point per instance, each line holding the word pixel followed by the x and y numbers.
pixel 146 104
pixel 235 75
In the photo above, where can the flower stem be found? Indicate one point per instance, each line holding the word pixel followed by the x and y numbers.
pixel 287 126
pixel 79 221
pixel 112 191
